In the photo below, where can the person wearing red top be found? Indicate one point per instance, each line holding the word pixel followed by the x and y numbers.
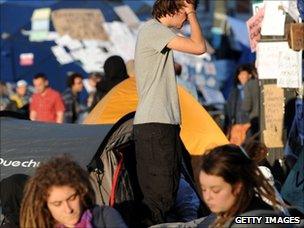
pixel 46 104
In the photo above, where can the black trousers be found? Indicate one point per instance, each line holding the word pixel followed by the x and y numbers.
pixel 158 161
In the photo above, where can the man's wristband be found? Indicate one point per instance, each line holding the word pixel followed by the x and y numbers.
pixel 191 13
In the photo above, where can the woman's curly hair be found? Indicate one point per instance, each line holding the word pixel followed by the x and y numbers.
pixel 59 171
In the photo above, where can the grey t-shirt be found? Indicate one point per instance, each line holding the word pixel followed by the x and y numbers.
pixel 155 77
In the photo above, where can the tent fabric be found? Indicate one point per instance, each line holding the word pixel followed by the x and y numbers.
pixel 199 132
pixel 25 143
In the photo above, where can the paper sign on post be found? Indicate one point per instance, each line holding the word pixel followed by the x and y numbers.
pixel 274 115
pixel 274 19
pixel 254 28
pixel 268 59
pixel 290 69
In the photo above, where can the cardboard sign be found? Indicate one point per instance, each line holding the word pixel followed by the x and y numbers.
pixel 80 23
pixel 254 28
pixel 274 115
pixel 296 36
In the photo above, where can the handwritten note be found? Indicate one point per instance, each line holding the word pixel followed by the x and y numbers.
pixel 275 60
pixel 254 28
pixel 273 114
pixel 290 69
pixel 80 23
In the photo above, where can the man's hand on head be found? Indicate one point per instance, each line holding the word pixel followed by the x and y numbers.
pixel 189 6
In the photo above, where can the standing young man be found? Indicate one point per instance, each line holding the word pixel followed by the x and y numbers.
pixel 157 118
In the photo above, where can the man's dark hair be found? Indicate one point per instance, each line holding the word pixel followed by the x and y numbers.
pixel 71 79
pixel 161 8
pixel 41 75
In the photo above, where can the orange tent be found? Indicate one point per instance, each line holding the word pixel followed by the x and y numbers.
pixel 199 132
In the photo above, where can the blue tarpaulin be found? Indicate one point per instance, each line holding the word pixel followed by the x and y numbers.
pixel 15 17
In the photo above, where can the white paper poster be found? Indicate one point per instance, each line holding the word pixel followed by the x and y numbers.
pixel 268 59
pixel 274 19
pixel 290 69
pixel 275 60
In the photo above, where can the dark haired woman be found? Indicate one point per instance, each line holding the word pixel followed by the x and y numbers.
pixel 232 184
pixel 235 114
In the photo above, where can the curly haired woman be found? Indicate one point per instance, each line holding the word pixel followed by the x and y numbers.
pixel 60 195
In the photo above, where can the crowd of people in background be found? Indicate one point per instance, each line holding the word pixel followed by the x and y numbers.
pixel 41 102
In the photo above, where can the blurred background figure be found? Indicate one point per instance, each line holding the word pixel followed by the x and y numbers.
pixel 237 118
pixel 22 97
pixel 60 195
pixel 90 84
pixel 46 104
pixel 5 102
pixel 71 99
pixel 115 72
pixel 251 104
pixel 11 196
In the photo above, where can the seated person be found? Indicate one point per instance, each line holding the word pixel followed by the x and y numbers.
pixel 232 185
pixel 60 195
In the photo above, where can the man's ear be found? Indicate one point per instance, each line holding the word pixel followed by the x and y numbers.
pixel 237 188
pixel 46 83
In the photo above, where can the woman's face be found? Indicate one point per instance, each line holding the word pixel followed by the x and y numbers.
pixel 243 77
pixel 64 205
pixel 218 194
